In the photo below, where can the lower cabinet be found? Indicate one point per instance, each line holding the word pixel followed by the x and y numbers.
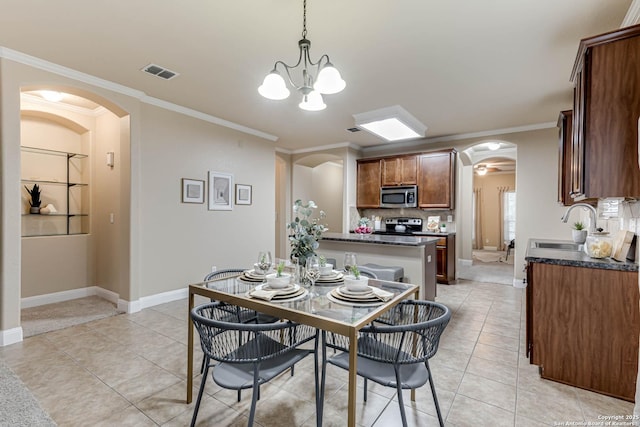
pixel 583 326
pixel 445 257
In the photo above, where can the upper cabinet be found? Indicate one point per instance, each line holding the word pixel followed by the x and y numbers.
pixel 368 183
pixel 564 158
pixel 605 116
pixel 433 173
pixel 436 180
pixel 400 171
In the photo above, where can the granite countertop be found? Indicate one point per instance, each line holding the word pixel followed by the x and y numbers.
pixel 433 233
pixel 381 239
pixel 573 258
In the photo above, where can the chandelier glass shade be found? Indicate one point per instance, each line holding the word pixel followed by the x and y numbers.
pixel 327 79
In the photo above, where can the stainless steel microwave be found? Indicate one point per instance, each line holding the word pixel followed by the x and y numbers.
pixel 405 196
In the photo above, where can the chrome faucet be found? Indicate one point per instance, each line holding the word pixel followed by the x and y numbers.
pixel 592 210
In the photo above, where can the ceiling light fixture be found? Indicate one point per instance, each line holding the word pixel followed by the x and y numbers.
pixel 493 146
pixel 482 170
pixel 328 80
pixel 51 95
pixel 391 124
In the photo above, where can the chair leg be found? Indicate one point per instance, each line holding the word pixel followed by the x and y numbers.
pixel 433 392
pixel 200 392
pixel 254 395
pixel 399 392
pixel 315 377
pixel 365 389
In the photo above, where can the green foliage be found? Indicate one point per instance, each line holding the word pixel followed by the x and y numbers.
pixel 35 196
pixel 323 261
pixel 279 269
pixel 305 231
pixel 355 271
pixel 578 225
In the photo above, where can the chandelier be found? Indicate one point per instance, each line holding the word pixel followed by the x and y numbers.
pixel 327 81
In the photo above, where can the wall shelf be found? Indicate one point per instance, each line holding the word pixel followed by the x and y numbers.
pixel 62 177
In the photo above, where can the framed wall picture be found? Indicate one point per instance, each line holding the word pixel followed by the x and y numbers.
pixel 220 191
pixel 243 194
pixel 192 191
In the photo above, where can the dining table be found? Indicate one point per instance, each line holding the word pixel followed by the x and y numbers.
pixel 315 305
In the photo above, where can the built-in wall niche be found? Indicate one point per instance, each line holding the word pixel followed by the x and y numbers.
pixel 56 159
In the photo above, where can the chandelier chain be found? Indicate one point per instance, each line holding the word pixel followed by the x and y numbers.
pixel 304 19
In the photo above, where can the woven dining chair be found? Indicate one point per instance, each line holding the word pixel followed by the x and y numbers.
pixel 364 271
pixel 394 355
pixel 249 354
pixel 248 315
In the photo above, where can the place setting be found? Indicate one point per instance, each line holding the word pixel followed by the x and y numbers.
pixel 328 276
pixel 260 269
pixel 278 287
pixel 356 291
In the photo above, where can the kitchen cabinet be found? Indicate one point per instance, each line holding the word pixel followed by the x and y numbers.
pixel 368 184
pixel 605 116
pixel 564 158
pixel 400 171
pixel 436 180
pixel 445 257
pixel 583 326
pixel 63 180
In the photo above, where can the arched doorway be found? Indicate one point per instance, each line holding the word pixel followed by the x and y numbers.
pixel 88 232
pixel 488 188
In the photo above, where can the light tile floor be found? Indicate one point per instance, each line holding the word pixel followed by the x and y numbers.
pixel 130 370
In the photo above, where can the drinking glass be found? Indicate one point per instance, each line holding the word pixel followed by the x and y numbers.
pixel 312 269
pixel 350 260
pixel 264 261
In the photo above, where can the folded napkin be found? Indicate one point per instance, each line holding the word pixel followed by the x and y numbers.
pixel 381 294
pixel 263 294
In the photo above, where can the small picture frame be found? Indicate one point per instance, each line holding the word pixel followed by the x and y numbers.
pixel 220 191
pixel 243 194
pixel 192 191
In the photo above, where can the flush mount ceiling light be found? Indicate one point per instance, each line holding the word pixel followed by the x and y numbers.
pixel 52 95
pixel 328 80
pixel 493 146
pixel 391 124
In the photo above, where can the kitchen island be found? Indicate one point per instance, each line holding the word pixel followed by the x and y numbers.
pixel 417 255
pixel 583 320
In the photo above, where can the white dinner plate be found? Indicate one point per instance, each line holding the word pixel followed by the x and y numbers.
pixel 332 298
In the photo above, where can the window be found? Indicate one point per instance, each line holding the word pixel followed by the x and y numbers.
pixel 509 210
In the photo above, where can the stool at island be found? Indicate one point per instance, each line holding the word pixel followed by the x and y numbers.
pixel 382 272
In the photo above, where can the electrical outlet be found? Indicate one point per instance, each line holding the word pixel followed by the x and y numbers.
pixel 449 218
pixel 428 258
pixel 214 268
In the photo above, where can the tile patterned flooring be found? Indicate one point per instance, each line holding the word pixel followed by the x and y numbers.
pixel 130 370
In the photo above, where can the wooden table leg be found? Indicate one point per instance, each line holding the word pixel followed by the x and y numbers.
pixel 353 377
pixel 190 350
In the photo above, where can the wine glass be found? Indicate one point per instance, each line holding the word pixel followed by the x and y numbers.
pixel 264 261
pixel 350 260
pixel 312 269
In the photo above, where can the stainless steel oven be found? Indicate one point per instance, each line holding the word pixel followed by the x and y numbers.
pixel 405 196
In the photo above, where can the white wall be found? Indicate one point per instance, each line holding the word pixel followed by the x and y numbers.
pixel 327 189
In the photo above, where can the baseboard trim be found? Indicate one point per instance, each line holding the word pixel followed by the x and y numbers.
pixel 519 283
pixel 52 298
pixel 465 262
pixel 490 248
pixel 10 336
pixel 164 297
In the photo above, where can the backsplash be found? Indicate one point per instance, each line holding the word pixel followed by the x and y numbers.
pixel 356 214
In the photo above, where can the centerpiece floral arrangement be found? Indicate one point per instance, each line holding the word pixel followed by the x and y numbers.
pixel 305 231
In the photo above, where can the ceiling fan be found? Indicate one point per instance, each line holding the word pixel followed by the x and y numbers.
pixel 483 169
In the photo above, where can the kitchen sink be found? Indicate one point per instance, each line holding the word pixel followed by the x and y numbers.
pixel 562 246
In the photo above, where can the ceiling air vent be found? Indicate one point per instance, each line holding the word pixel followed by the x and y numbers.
pixel 160 72
pixel 353 129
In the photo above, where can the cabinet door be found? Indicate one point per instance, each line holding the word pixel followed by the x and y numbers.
pixel 564 158
pixel 391 172
pixel 441 264
pixel 400 171
pixel 368 183
pixel 577 145
pixel 436 180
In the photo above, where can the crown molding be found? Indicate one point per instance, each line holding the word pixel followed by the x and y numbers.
pixel 633 15
pixel 326 147
pixel 461 136
pixel 60 70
